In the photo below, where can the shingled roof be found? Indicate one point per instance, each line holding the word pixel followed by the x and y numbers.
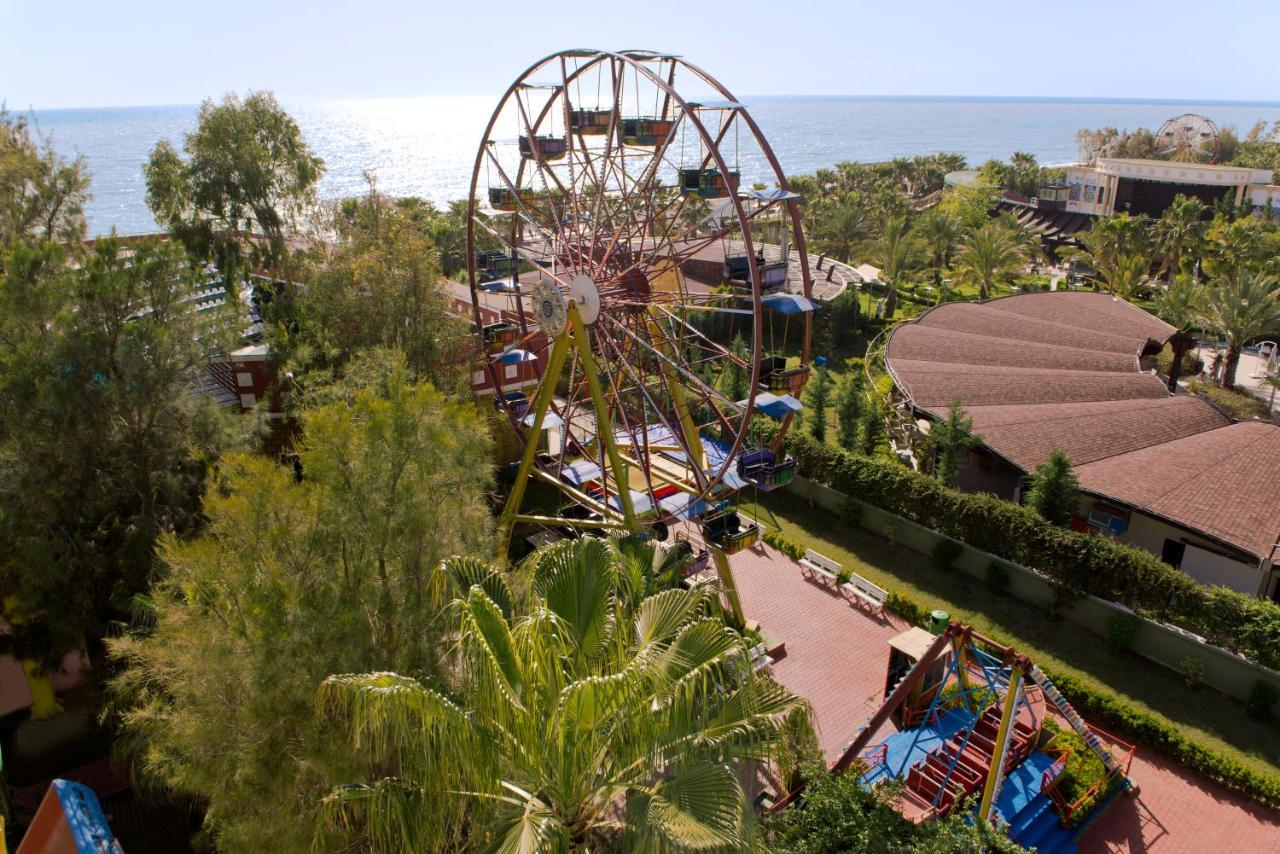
pixel 1061 370
pixel 1224 483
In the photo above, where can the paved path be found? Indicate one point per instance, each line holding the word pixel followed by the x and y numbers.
pixel 836 654
pixel 836 657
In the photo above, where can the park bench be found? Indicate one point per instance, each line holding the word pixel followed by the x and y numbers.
pixel 873 595
pixel 817 566
pixel 760 658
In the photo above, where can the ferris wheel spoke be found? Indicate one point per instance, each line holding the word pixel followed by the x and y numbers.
pixel 649 348
pixel 659 411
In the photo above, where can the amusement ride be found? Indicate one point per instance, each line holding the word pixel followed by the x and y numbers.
pixel 631 273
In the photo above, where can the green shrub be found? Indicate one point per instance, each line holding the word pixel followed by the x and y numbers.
pixel 945 553
pixel 1241 405
pixel 795 551
pixel 906 609
pixel 843 576
pixel 891 533
pixel 998 576
pixel 1083 771
pixel 1086 563
pixel 1120 631
pixel 1192 669
pixel 1262 699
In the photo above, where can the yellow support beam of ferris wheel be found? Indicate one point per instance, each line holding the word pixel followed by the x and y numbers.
pixel 575 336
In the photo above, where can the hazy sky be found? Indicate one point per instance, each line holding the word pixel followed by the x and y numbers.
pixel 61 53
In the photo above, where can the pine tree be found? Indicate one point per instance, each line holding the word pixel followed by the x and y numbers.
pixel 953 436
pixel 735 380
pixel 849 411
pixel 872 431
pixel 818 400
pixel 1055 489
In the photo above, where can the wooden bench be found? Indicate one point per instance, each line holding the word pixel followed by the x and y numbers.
pixel 760 658
pixel 872 595
pixel 817 566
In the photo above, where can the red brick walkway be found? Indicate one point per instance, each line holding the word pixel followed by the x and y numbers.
pixel 836 658
pixel 836 654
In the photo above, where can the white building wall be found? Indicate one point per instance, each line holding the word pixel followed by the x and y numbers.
pixel 1201 560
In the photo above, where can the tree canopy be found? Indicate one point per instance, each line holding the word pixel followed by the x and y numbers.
pixel 238 195
pixel 296 579
pixel 1055 489
pixel 104 443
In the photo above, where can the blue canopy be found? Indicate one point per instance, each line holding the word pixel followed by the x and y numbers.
pixel 775 406
pixel 515 356
pixel 787 303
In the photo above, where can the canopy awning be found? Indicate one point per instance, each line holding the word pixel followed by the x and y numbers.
pixel 788 303
pixel 548 421
pixel 867 273
pixel 583 471
pixel 515 356
pixel 777 194
pixel 775 406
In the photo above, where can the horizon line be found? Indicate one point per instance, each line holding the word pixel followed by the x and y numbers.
pixel 1077 99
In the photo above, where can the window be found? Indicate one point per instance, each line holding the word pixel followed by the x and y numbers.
pixel 1172 553
pixel 244 380
pixel 510 372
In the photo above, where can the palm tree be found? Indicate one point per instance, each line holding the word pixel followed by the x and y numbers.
pixel 898 253
pixel 1180 231
pixel 1181 305
pixel 841 227
pixel 1241 308
pixel 591 718
pixel 1126 275
pixel 1112 236
pixel 991 254
pixel 940 231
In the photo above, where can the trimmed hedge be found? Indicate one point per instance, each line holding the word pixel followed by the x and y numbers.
pixel 1086 563
pixel 1111 713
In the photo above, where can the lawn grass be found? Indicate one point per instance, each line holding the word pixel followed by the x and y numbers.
pixel 1203 714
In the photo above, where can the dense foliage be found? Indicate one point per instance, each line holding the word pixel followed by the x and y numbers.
pixel 583 716
pixel 103 444
pixel 1055 489
pixel 242 188
pixel 839 815
pixel 296 579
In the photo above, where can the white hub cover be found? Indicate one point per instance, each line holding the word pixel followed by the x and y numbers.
pixel 583 292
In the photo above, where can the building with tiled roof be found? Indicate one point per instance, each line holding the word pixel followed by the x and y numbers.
pixel 1171 473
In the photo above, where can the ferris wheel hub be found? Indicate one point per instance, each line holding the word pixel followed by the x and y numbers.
pixel 582 290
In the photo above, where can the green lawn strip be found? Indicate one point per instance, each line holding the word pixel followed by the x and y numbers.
pixel 1203 715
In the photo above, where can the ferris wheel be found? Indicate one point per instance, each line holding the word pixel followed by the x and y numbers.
pixel 637 308
pixel 1188 138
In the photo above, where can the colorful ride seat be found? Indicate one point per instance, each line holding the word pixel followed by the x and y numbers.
pixel 517 402
pixel 543 147
pixel 708 183
pixel 644 131
pixel 761 468
pixel 502 199
pixel 726 532
pixel 590 122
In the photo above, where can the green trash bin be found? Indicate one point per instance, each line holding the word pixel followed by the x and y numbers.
pixel 938 621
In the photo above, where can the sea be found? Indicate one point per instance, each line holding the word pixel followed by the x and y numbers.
pixel 426 146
